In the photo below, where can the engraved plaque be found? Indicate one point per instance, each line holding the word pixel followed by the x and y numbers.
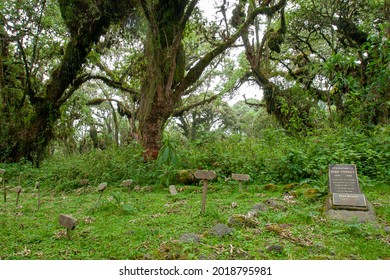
pixel 205 175
pixel 67 221
pixel 343 179
pixel 349 201
pixel 240 177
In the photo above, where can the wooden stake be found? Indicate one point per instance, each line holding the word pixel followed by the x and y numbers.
pixel 37 186
pixel 18 190
pixel 2 171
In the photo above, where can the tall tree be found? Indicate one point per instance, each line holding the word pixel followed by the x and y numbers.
pixel 31 92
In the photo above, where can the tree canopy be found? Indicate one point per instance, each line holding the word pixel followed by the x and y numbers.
pixel 92 73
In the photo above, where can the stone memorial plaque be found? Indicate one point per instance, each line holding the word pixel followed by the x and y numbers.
pixel 205 174
pixel 172 190
pixel 240 177
pixel 102 187
pixel 67 221
pixel 346 199
pixel 343 179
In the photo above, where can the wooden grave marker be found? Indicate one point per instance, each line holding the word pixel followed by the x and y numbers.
pixel 84 183
pixel 18 190
pixel 2 171
pixel 38 187
pixel 127 183
pixel 240 178
pixel 204 175
pixel 67 222
pixel 101 188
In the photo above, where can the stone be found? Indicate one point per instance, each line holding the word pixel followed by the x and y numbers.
pixel 172 190
pixel 350 215
pixel 221 230
pixel 2 171
pixel 387 229
pixel 190 238
pixel 67 221
pixel 205 175
pixel 239 220
pixel 275 248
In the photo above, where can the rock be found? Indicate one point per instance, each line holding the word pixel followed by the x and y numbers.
pixel 190 238
pixel 221 230
pixel 276 205
pixel 275 248
pixel 271 187
pixel 185 177
pixel 238 220
pixel 349 215
pixel 234 204
pixel 387 229
pixel 260 207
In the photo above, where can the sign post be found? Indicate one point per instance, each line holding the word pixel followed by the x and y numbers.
pixel 204 175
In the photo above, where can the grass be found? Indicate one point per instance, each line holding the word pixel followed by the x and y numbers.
pixel 149 225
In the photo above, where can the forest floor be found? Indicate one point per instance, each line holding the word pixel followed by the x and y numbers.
pixel 150 223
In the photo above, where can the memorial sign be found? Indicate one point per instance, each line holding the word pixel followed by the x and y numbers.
pixel 204 175
pixel 346 200
pixel 67 222
pixel 240 178
pixel 343 178
pixel 127 183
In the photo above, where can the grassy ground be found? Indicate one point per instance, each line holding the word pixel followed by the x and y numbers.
pixel 149 225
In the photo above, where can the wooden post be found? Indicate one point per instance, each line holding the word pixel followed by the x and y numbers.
pixel 38 187
pixel 67 222
pixel 18 190
pixel 240 178
pixel 127 183
pixel 205 176
pixel 100 189
pixel 2 171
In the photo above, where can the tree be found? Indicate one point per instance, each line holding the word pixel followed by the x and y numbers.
pixel 39 71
